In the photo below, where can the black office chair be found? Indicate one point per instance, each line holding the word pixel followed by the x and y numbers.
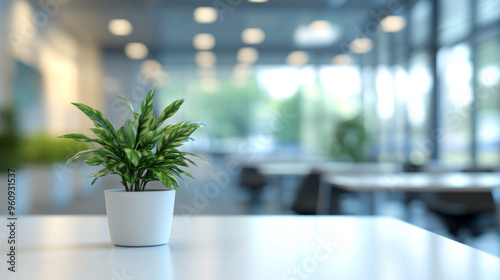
pixel 408 197
pixel 255 182
pixel 307 197
pixel 410 167
pixel 471 211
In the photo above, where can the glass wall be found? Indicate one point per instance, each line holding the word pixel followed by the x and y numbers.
pixel 409 113
pixel 488 102
pixel 456 101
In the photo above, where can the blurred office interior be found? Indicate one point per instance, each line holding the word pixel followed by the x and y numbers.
pixel 318 86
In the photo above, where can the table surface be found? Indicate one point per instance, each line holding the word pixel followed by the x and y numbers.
pixel 246 247
pixel 417 182
pixel 292 168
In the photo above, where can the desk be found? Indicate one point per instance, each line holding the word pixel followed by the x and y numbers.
pixel 303 168
pixel 245 247
pixel 410 182
pixel 299 169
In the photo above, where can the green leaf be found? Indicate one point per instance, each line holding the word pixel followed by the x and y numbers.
pixel 133 156
pixel 193 155
pixel 130 107
pixel 176 135
pixel 97 117
pixel 81 154
pixel 127 134
pixel 147 153
pixel 168 112
pixel 166 178
pixel 149 176
pixel 93 161
pixel 145 122
pixel 186 174
pixel 108 153
pixel 78 137
pixel 149 140
pixel 178 175
pixel 98 174
pixel 107 139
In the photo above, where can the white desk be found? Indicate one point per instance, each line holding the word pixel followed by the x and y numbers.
pixel 409 182
pixel 298 169
pixel 244 247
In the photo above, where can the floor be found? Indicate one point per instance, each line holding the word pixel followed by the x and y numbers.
pixel 215 192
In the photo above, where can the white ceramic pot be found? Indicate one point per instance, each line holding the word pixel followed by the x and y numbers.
pixel 139 218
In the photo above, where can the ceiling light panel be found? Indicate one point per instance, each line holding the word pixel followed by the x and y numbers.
pixel 297 58
pixel 247 55
pixel 120 27
pixel 392 23
pixel 205 15
pixel 342 59
pixel 136 50
pixel 361 45
pixel 205 59
pixel 203 41
pixel 253 36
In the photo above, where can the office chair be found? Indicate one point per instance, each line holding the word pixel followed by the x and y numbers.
pixel 471 211
pixel 409 197
pixel 255 182
pixel 307 197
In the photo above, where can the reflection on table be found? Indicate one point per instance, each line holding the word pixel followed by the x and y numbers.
pixel 243 247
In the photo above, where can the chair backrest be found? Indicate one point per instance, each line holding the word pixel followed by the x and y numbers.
pixel 307 195
pixel 410 167
pixel 464 203
pixel 251 177
pixel 477 170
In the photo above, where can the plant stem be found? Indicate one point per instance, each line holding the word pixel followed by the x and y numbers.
pixel 125 183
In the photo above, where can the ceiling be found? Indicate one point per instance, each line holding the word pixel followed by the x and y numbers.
pixel 168 26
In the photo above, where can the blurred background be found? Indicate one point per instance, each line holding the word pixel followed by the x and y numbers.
pixel 284 86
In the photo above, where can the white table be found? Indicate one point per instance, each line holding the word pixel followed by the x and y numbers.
pixel 409 182
pixel 299 169
pixel 245 247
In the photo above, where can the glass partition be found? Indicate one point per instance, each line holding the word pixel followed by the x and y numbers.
pixel 488 101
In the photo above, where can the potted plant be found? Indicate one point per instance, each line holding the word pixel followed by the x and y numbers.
pixel 140 151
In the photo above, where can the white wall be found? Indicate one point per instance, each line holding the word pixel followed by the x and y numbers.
pixel 70 66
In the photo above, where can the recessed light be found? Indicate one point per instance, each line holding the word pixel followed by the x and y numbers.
pixel 320 27
pixel 392 23
pixel 297 58
pixel 203 41
pixel 361 45
pixel 242 70
pixel 247 55
pixel 342 59
pixel 205 59
pixel 253 36
pixel 120 27
pixel 136 50
pixel 205 15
